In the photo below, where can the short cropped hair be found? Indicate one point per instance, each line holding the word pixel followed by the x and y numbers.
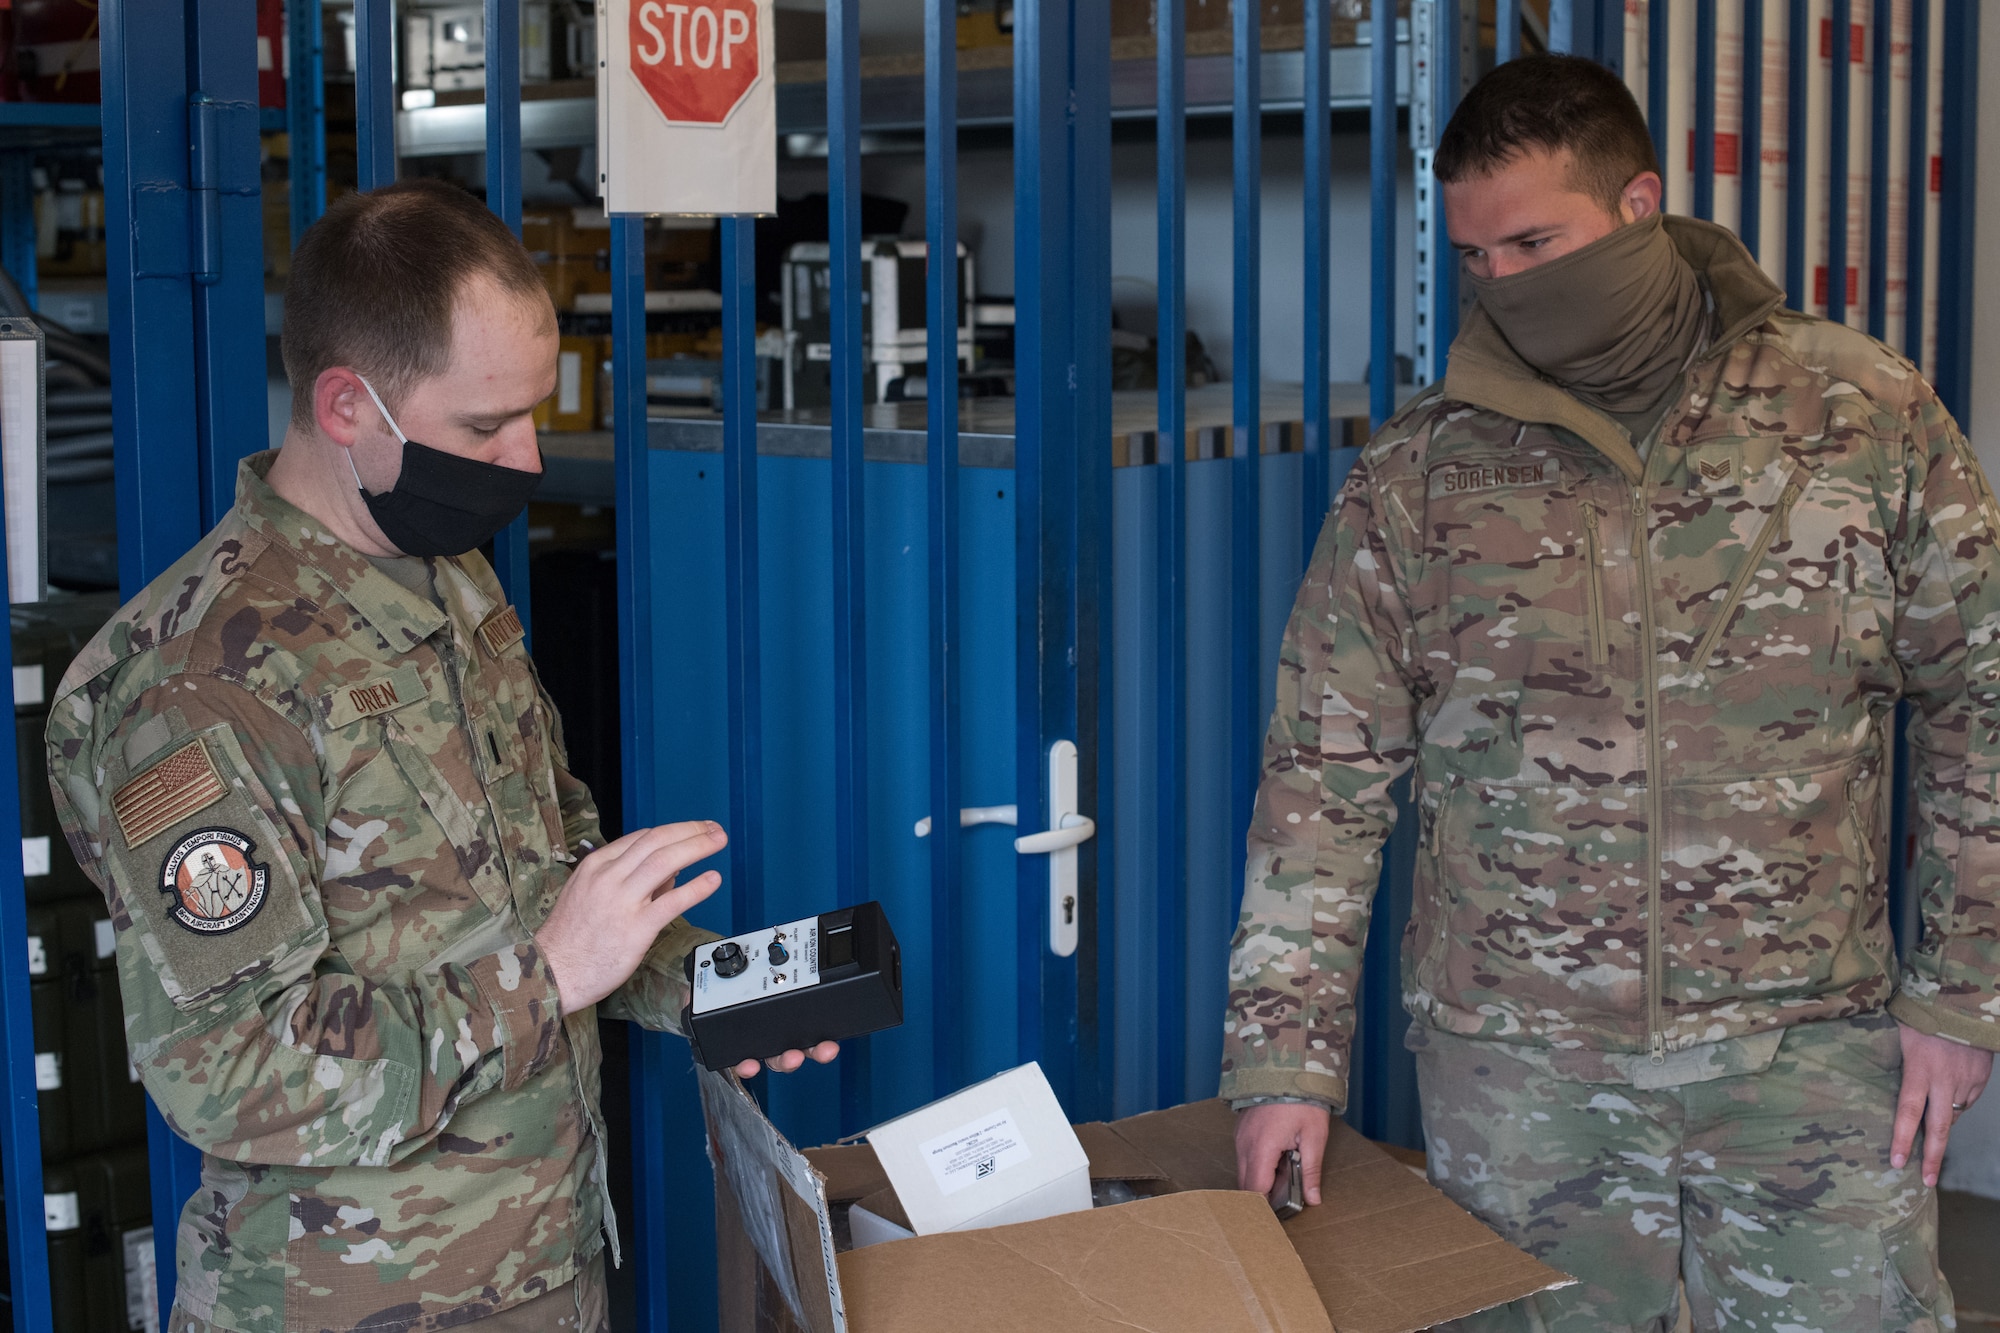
pixel 373 283
pixel 1552 103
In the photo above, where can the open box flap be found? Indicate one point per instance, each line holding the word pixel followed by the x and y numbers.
pixel 1194 1144
pixel 1389 1253
pixel 851 1171
pixel 776 1201
pixel 1112 1156
pixel 1200 1262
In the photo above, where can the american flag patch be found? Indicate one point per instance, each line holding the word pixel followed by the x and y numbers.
pixel 168 792
pixel 502 631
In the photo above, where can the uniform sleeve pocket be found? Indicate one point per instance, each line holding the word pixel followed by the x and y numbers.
pixel 198 855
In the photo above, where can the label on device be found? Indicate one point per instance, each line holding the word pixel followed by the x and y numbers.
pixel 794 947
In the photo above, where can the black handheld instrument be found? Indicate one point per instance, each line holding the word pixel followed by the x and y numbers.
pixel 790 987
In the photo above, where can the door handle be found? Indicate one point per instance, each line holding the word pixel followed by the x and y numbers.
pixel 1069 828
pixel 1070 831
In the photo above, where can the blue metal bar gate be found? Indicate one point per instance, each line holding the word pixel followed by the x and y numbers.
pixel 180 184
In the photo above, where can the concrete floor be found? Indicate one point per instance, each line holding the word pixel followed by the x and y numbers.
pixel 1969 1253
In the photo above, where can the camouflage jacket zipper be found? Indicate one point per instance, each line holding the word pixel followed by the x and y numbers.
pixel 1776 525
pixel 1593 554
pixel 1656 815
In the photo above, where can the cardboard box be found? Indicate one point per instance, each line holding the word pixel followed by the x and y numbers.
pixel 572 248
pixel 1386 1253
pixel 573 406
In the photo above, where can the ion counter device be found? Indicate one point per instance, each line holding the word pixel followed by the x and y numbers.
pixel 826 978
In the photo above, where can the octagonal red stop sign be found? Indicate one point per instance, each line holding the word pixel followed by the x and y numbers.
pixel 695 58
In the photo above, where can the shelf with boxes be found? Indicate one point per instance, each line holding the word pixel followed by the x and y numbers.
pixel 572 248
pixel 95 1186
pixel 578 465
pixel 563 113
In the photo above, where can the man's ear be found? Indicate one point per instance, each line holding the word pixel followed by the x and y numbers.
pixel 1642 197
pixel 340 405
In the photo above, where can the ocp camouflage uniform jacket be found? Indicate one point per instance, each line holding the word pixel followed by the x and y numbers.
pixel 1649 706
pixel 399 1125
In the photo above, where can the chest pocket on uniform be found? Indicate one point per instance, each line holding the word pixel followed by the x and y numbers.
pixel 380 847
pixel 1507 593
pixel 518 733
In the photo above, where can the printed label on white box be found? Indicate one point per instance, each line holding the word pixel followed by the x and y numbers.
pixel 975 1151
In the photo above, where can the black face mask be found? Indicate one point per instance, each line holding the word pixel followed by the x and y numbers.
pixel 443 504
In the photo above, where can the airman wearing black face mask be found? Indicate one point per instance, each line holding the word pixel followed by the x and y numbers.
pixel 443 503
pixel 366 914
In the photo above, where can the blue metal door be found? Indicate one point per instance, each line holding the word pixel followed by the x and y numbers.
pixel 186 283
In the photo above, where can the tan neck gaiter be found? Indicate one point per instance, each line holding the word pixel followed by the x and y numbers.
pixel 1614 323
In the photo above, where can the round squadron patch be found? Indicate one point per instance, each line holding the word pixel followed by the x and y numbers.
pixel 215 885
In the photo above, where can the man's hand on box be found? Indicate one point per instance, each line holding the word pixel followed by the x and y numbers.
pixel 617 902
pixel 790 1060
pixel 1264 1134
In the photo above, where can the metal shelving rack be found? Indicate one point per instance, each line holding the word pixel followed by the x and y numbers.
pixel 895 101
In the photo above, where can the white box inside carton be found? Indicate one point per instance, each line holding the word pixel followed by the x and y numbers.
pixel 1000 1151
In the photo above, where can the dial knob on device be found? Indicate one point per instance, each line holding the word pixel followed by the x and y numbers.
pixel 778 953
pixel 729 959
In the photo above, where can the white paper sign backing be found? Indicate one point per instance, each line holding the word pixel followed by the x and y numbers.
pixel 687 110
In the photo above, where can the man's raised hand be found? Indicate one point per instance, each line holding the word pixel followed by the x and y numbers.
pixel 616 903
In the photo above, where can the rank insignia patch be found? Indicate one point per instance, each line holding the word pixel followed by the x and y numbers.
pixel 214 885
pixel 502 630
pixel 168 792
pixel 1713 470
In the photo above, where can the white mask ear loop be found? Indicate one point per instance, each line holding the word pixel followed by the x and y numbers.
pixel 380 407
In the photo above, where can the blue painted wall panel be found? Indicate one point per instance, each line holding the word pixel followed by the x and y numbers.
pixel 1135 613
pixel 796 591
pixel 686 582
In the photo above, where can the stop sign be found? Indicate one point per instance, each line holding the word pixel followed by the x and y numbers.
pixel 695 58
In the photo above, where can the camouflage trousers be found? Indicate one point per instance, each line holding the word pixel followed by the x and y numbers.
pixel 1769 1194
pixel 580 1306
